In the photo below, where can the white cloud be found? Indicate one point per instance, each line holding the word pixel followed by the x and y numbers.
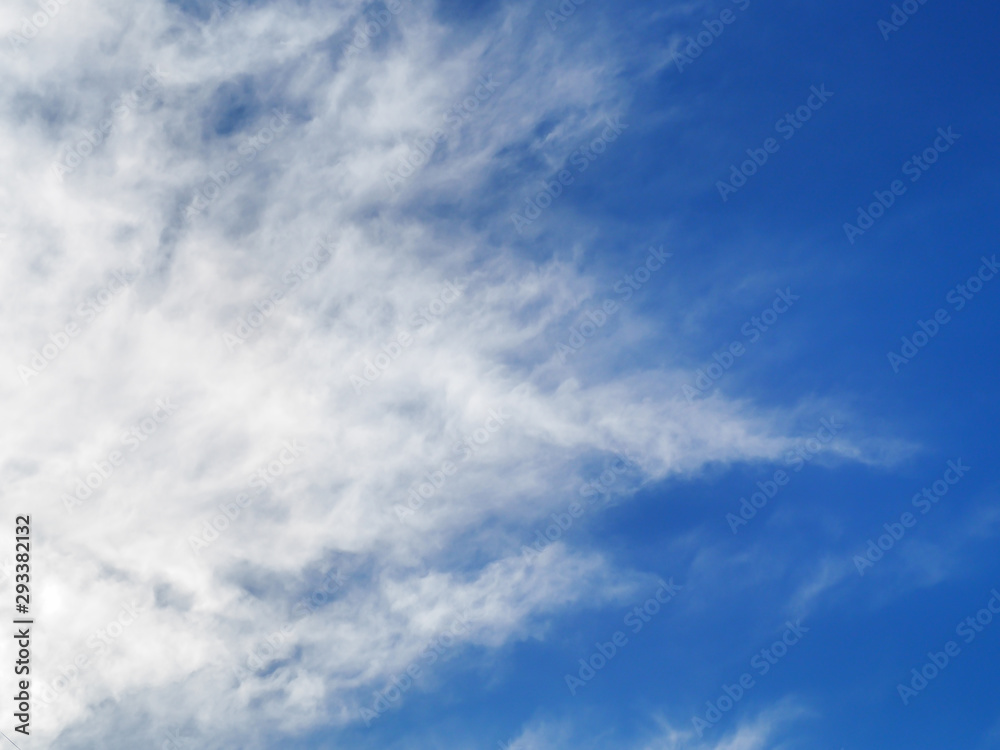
pixel 762 731
pixel 350 120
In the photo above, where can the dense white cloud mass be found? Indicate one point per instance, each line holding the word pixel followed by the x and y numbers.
pixel 230 358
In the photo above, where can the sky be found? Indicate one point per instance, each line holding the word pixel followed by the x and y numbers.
pixel 520 375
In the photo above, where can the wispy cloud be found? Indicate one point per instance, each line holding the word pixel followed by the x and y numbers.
pixel 335 124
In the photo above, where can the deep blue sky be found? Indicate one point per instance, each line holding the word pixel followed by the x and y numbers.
pixel 658 184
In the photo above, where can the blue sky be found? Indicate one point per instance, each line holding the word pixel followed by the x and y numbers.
pixel 725 343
